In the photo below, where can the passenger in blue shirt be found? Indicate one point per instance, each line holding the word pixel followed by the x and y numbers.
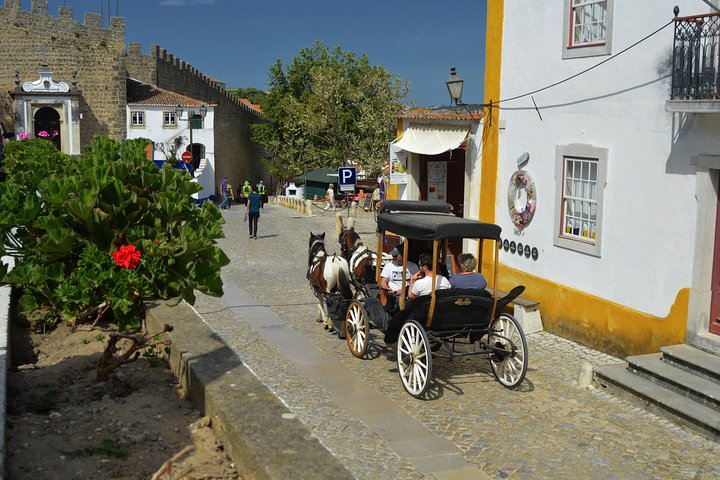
pixel 464 274
pixel 252 209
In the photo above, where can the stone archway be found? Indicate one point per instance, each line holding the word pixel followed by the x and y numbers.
pixel 47 119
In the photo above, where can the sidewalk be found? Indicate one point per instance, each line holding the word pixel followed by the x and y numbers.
pixel 471 428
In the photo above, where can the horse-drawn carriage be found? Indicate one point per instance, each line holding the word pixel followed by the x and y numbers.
pixel 437 324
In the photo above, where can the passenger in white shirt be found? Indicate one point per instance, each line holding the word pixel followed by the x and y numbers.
pixel 421 282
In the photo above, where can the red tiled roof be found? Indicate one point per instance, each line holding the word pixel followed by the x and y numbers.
pixel 455 113
pixel 247 102
pixel 139 93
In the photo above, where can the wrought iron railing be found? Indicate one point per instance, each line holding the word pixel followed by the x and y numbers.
pixel 696 58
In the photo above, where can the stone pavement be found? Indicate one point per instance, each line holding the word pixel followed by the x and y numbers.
pixel 471 427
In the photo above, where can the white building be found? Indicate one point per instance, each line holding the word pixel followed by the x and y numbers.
pixel 623 178
pixel 163 117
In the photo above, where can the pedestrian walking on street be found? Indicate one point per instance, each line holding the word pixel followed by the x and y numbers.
pixel 252 209
pixel 246 189
pixel 262 192
pixel 330 197
pixel 224 192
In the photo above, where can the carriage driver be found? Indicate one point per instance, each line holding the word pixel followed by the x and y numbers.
pixel 391 275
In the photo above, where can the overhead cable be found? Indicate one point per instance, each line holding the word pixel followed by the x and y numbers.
pixel 492 104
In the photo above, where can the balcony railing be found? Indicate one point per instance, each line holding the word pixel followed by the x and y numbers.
pixel 696 58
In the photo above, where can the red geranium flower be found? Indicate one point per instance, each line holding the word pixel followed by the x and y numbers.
pixel 127 256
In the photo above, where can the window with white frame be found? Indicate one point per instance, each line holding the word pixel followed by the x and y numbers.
pixel 588 27
pixel 581 171
pixel 137 119
pixel 169 119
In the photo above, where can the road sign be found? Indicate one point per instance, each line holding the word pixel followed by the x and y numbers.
pixel 346 179
pixel 186 157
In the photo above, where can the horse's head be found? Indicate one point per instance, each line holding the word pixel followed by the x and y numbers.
pixel 315 245
pixel 348 240
pixel 316 237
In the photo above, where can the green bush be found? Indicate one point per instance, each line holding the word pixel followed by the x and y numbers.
pixel 66 219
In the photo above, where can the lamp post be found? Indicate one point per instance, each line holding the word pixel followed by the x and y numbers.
pixel 190 116
pixel 455 86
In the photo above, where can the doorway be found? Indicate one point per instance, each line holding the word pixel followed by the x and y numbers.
pixel 47 120
pixel 714 326
pixel 198 153
pixel 442 178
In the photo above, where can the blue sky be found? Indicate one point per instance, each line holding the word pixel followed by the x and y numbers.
pixel 236 41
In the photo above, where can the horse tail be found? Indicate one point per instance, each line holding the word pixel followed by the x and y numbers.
pixel 344 284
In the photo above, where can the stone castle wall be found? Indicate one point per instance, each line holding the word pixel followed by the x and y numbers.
pixel 30 38
pixel 236 156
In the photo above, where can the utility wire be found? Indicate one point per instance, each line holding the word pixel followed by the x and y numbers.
pixel 492 104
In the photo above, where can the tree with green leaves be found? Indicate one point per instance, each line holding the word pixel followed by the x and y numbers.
pixel 254 95
pixel 328 107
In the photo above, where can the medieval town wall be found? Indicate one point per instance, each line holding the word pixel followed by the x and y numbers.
pixel 236 156
pixel 30 38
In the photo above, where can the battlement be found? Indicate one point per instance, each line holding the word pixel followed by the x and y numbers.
pixel 162 55
pixel 12 9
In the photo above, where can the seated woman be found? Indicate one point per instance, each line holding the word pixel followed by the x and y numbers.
pixel 464 274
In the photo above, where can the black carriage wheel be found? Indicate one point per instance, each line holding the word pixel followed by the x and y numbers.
pixel 509 353
pixel 356 326
pixel 414 359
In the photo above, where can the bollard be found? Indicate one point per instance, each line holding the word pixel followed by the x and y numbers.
pixel 308 208
pixel 353 209
pixel 585 376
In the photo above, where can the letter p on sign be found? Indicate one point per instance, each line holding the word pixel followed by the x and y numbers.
pixel 346 179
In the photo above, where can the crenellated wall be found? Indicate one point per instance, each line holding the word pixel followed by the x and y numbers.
pixel 236 156
pixel 30 38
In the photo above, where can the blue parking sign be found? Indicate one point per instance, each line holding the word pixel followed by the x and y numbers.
pixel 346 179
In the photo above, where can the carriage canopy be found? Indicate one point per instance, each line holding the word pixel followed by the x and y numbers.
pixel 431 221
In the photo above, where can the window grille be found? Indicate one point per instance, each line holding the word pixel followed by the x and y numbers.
pixel 138 119
pixel 169 119
pixel 589 22
pixel 580 197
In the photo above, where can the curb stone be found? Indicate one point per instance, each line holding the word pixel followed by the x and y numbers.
pixel 262 436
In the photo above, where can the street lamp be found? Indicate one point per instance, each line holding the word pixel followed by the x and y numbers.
pixel 190 116
pixel 455 86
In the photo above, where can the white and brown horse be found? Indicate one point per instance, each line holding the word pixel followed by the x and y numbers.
pixel 360 258
pixel 329 275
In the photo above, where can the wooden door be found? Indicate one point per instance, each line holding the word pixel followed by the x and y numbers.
pixel 715 286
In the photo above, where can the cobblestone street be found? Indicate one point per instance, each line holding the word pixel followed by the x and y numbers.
pixel 472 427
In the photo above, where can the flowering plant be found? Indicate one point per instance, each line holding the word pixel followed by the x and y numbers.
pixel 127 256
pixel 107 229
pixel 23 135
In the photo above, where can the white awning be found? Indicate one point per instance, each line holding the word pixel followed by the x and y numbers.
pixel 432 139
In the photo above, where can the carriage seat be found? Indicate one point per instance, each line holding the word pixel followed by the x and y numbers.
pixel 455 309
pixel 458 308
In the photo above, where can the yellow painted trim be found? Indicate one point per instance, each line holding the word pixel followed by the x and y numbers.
pixel 489 152
pixel 596 322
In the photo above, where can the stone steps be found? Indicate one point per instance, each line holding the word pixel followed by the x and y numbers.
pixel 682 383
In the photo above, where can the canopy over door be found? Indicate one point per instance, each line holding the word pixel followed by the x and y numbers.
pixel 432 139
